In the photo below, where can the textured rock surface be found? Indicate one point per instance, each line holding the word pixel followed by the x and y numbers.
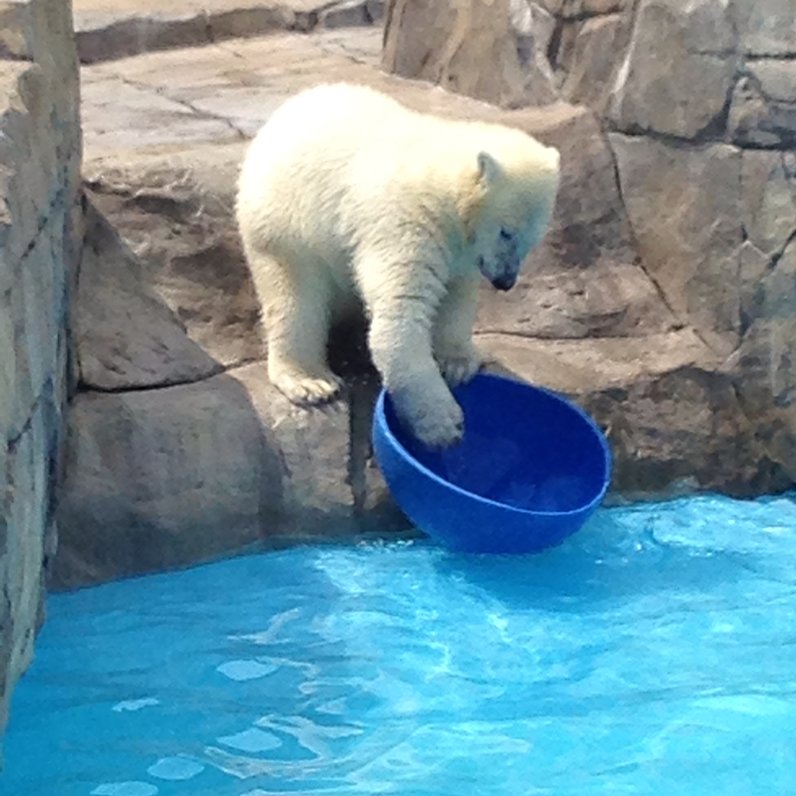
pixel 127 338
pixel 39 236
pixel 504 63
pixel 174 456
pixel 685 209
pixel 651 300
pixel 763 109
pixel 698 102
pixel 669 407
pixel 168 477
pixel 110 29
pixel 678 69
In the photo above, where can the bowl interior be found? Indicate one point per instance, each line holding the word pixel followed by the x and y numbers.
pixel 524 447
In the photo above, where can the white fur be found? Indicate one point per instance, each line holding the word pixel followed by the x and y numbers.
pixel 347 197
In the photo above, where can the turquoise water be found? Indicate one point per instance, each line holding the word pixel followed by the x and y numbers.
pixel 652 653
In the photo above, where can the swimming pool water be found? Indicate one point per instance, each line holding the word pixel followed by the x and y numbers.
pixel 653 653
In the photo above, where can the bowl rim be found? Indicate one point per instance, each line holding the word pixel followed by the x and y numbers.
pixel 380 416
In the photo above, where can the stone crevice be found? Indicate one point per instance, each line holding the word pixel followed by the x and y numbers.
pixel 775 259
pixel 704 139
pixel 634 238
pixel 44 221
pixel 773 56
pixel 85 387
pixel 198 112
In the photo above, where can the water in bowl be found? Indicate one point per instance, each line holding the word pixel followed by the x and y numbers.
pixel 654 652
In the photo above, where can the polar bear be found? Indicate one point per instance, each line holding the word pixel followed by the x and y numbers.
pixel 348 200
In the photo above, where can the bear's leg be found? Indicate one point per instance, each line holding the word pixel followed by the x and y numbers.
pixel 400 344
pixel 296 314
pixel 458 357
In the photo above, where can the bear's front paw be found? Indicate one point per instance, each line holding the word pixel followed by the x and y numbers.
pixel 459 365
pixel 306 390
pixel 439 426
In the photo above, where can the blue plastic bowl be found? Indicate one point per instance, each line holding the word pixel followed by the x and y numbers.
pixel 530 471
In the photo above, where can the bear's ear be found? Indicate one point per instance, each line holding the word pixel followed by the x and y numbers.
pixel 488 168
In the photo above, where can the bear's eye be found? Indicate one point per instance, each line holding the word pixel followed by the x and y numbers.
pixel 505 234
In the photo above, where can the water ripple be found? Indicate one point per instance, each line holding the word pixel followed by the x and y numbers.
pixel 651 653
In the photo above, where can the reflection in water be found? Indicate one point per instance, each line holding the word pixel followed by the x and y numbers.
pixel 651 653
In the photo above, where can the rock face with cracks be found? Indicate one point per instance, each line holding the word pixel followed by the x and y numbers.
pixel 40 216
pixel 693 103
pixel 660 298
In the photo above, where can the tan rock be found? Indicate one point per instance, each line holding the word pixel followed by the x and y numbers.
pixel 589 224
pixel 609 300
pixel 176 214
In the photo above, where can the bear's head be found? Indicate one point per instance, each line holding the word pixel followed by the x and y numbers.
pixel 516 189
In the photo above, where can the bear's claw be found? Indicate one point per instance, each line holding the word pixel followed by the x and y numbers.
pixel 438 426
pixel 309 390
pixel 458 367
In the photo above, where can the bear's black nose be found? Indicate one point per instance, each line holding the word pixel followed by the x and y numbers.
pixel 504 282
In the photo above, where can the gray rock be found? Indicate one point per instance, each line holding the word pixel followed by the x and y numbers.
pixel 777 78
pixel 758 120
pixel 505 63
pixel 678 70
pixel 670 412
pixel 176 214
pixel 754 265
pixel 763 366
pixel 39 239
pixel 127 337
pixel 593 63
pixel 167 477
pixel 347 14
pixel 767 27
pixel 685 209
pixel 583 8
pixel 769 200
pixel 111 31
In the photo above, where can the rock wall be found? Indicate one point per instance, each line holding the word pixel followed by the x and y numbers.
pixel 107 31
pixel 179 448
pixel 693 103
pixel 39 220
pixel 660 299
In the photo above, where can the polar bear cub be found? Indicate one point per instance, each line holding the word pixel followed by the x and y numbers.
pixel 348 200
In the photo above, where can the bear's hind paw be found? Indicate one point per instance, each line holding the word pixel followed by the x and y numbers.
pixel 309 390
